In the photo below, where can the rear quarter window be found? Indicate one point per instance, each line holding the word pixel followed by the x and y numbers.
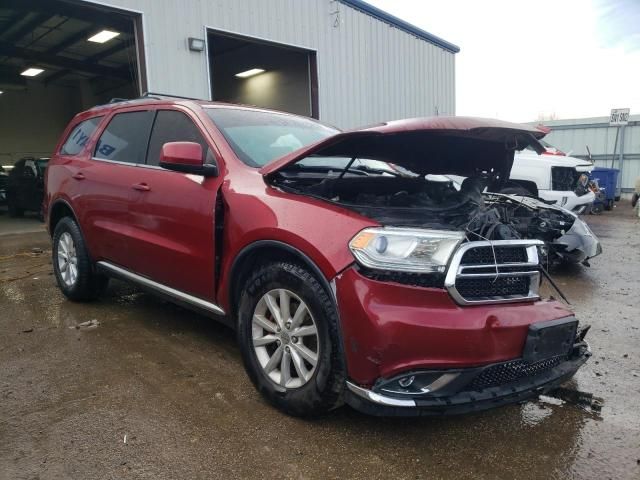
pixel 79 136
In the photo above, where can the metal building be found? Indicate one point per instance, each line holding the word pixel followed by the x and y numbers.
pixel 342 61
pixel 581 136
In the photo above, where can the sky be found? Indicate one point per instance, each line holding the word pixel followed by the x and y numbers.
pixel 526 60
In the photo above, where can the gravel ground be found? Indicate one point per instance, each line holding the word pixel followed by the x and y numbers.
pixel 146 389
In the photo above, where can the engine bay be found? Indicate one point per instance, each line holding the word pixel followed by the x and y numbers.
pixel 419 202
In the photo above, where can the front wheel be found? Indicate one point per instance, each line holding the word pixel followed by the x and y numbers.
pixel 72 265
pixel 596 208
pixel 288 334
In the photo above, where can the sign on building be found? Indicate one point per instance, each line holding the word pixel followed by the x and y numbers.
pixel 619 117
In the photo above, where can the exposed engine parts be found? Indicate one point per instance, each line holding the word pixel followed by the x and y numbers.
pixel 401 201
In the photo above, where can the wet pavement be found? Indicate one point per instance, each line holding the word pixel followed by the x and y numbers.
pixel 134 387
pixel 29 223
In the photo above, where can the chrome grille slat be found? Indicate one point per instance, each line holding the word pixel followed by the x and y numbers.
pixel 462 274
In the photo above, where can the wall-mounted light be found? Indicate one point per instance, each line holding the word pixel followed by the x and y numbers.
pixel 103 37
pixel 250 73
pixel 1 92
pixel 196 44
pixel 32 72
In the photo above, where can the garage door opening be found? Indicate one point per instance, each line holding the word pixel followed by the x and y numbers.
pixel 57 58
pixel 253 72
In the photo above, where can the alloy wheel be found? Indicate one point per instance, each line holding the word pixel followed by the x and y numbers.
pixel 285 338
pixel 67 259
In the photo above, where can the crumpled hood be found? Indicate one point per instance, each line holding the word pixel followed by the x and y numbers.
pixel 438 145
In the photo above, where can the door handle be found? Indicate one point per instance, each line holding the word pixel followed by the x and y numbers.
pixel 141 187
pixel 78 176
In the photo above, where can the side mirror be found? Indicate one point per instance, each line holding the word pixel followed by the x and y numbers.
pixel 186 157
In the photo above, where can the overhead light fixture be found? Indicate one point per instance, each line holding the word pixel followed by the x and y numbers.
pixel 1 92
pixel 196 44
pixel 250 73
pixel 103 36
pixel 32 72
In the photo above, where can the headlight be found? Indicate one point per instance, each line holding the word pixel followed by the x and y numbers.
pixel 405 249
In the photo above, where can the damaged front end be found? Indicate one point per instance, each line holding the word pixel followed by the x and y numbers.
pixel 553 353
pixel 397 181
pixel 440 310
pixel 567 238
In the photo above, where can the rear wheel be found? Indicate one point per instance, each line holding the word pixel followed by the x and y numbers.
pixel 288 334
pixel 72 265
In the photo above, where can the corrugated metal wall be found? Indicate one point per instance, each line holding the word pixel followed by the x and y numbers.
pixel 368 70
pixel 575 135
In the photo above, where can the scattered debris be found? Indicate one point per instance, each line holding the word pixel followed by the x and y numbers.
pixel 27 330
pixel 88 325
pixel 583 400
pixel 551 400
pixel 125 438
pixel 37 251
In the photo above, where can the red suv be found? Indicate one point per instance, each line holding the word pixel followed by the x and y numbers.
pixel 350 272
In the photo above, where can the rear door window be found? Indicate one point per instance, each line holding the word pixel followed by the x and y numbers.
pixel 173 126
pixel 79 136
pixel 125 138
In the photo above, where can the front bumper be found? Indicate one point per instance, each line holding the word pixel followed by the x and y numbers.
pixel 472 389
pixel 578 244
pixel 390 328
pixel 568 199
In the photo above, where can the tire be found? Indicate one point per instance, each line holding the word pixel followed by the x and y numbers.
pixel 608 206
pixel 596 208
pixel 14 211
pixel 86 284
pixel 306 393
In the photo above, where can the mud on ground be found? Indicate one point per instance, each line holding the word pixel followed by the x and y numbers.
pixel 134 387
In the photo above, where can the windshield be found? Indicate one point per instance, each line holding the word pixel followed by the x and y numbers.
pixel 259 137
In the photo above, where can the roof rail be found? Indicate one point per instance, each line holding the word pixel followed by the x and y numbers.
pixel 145 96
pixel 156 95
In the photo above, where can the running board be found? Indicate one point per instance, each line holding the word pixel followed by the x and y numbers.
pixel 177 295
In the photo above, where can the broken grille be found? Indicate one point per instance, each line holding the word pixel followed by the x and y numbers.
pixel 494 272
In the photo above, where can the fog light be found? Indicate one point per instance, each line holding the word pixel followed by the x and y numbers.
pixel 406 381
